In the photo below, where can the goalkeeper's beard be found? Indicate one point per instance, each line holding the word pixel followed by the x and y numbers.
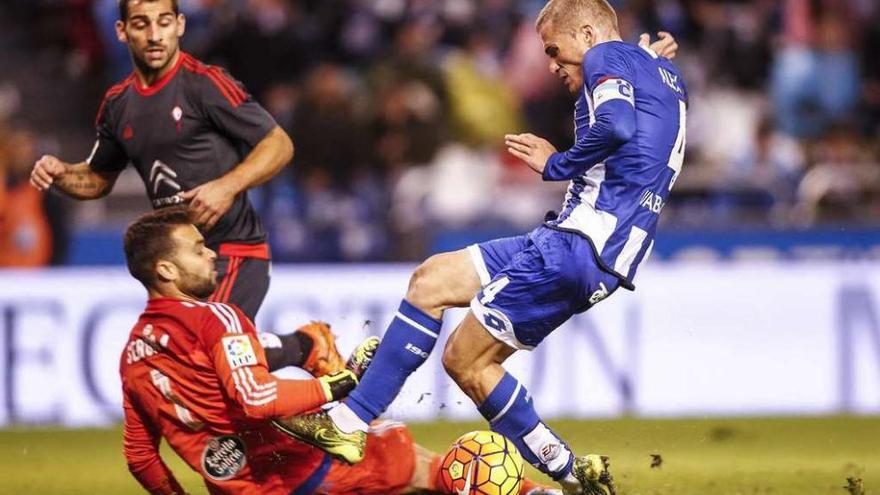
pixel 198 287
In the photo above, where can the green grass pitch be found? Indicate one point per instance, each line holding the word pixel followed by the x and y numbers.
pixel 772 456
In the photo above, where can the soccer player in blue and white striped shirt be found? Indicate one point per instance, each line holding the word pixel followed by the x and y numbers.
pixel 630 139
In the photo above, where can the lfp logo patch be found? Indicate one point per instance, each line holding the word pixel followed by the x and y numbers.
pixel 239 351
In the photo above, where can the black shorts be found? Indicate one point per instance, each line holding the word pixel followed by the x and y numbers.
pixel 243 276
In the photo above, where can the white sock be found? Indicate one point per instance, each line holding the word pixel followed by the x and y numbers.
pixel 346 420
pixel 570 484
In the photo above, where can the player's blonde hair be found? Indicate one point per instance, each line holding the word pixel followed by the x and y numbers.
pixel 571 14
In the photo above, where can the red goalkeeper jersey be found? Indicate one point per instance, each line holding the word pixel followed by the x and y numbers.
pixel 195 374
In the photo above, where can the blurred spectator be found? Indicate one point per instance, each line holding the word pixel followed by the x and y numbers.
pixel 410 99
pixel 269 41
pixel 815 81
pixel 25 235
pixel 329 128
pixel 871 71
pixel 482 105
pixel 843 184
pixel 764 178
pixel 118 61
pixel 332 208
pixel 313 220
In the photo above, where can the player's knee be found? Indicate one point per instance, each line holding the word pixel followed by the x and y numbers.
pixel 426 286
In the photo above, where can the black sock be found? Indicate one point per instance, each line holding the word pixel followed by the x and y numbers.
pixel 295 347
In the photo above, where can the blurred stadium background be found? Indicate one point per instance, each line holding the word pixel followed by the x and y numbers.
pixel 762 298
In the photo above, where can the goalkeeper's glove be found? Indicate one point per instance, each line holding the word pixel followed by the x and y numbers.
pixel 323 357
pixel 338 385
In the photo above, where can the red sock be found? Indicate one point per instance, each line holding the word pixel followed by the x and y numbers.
pixel 436 484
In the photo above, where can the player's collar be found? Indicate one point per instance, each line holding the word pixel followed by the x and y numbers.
pixel 162 81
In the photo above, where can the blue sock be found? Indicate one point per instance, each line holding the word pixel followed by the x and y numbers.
pixel 405 346
pixel 510 412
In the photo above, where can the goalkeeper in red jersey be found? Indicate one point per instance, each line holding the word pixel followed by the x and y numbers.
pixel 195 374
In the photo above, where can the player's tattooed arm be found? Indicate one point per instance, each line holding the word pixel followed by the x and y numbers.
pixel 81 184
pixel 77 180
pixel 212 200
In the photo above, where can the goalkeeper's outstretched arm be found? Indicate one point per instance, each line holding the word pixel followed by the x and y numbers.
pixel 141 448
pixel 240 364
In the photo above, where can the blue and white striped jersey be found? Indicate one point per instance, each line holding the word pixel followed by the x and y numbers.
pixel 630 140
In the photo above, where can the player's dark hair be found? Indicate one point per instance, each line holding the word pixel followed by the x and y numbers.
pixel 148 239
pixel 123 8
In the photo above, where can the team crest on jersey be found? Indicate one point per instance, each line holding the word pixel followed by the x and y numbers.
pixel 239 351
pixel 177 115
pixel 128 132
pixel 223 457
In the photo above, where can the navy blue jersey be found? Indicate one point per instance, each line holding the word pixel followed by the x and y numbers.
pixel 630 139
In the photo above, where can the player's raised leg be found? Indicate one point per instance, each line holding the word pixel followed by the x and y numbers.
pixel 443 281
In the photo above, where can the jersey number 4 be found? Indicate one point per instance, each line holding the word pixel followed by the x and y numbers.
pixel 489 293
pixel 676 158
pixel 492 290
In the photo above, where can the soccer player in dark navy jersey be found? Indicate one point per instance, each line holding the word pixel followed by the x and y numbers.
pixel 195 136
pixel 629 144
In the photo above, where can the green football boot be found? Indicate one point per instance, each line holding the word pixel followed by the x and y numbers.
pixel 593 474
pixel 362 356
pixel 318 430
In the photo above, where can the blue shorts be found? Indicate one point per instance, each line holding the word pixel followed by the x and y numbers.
pixel 533 283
